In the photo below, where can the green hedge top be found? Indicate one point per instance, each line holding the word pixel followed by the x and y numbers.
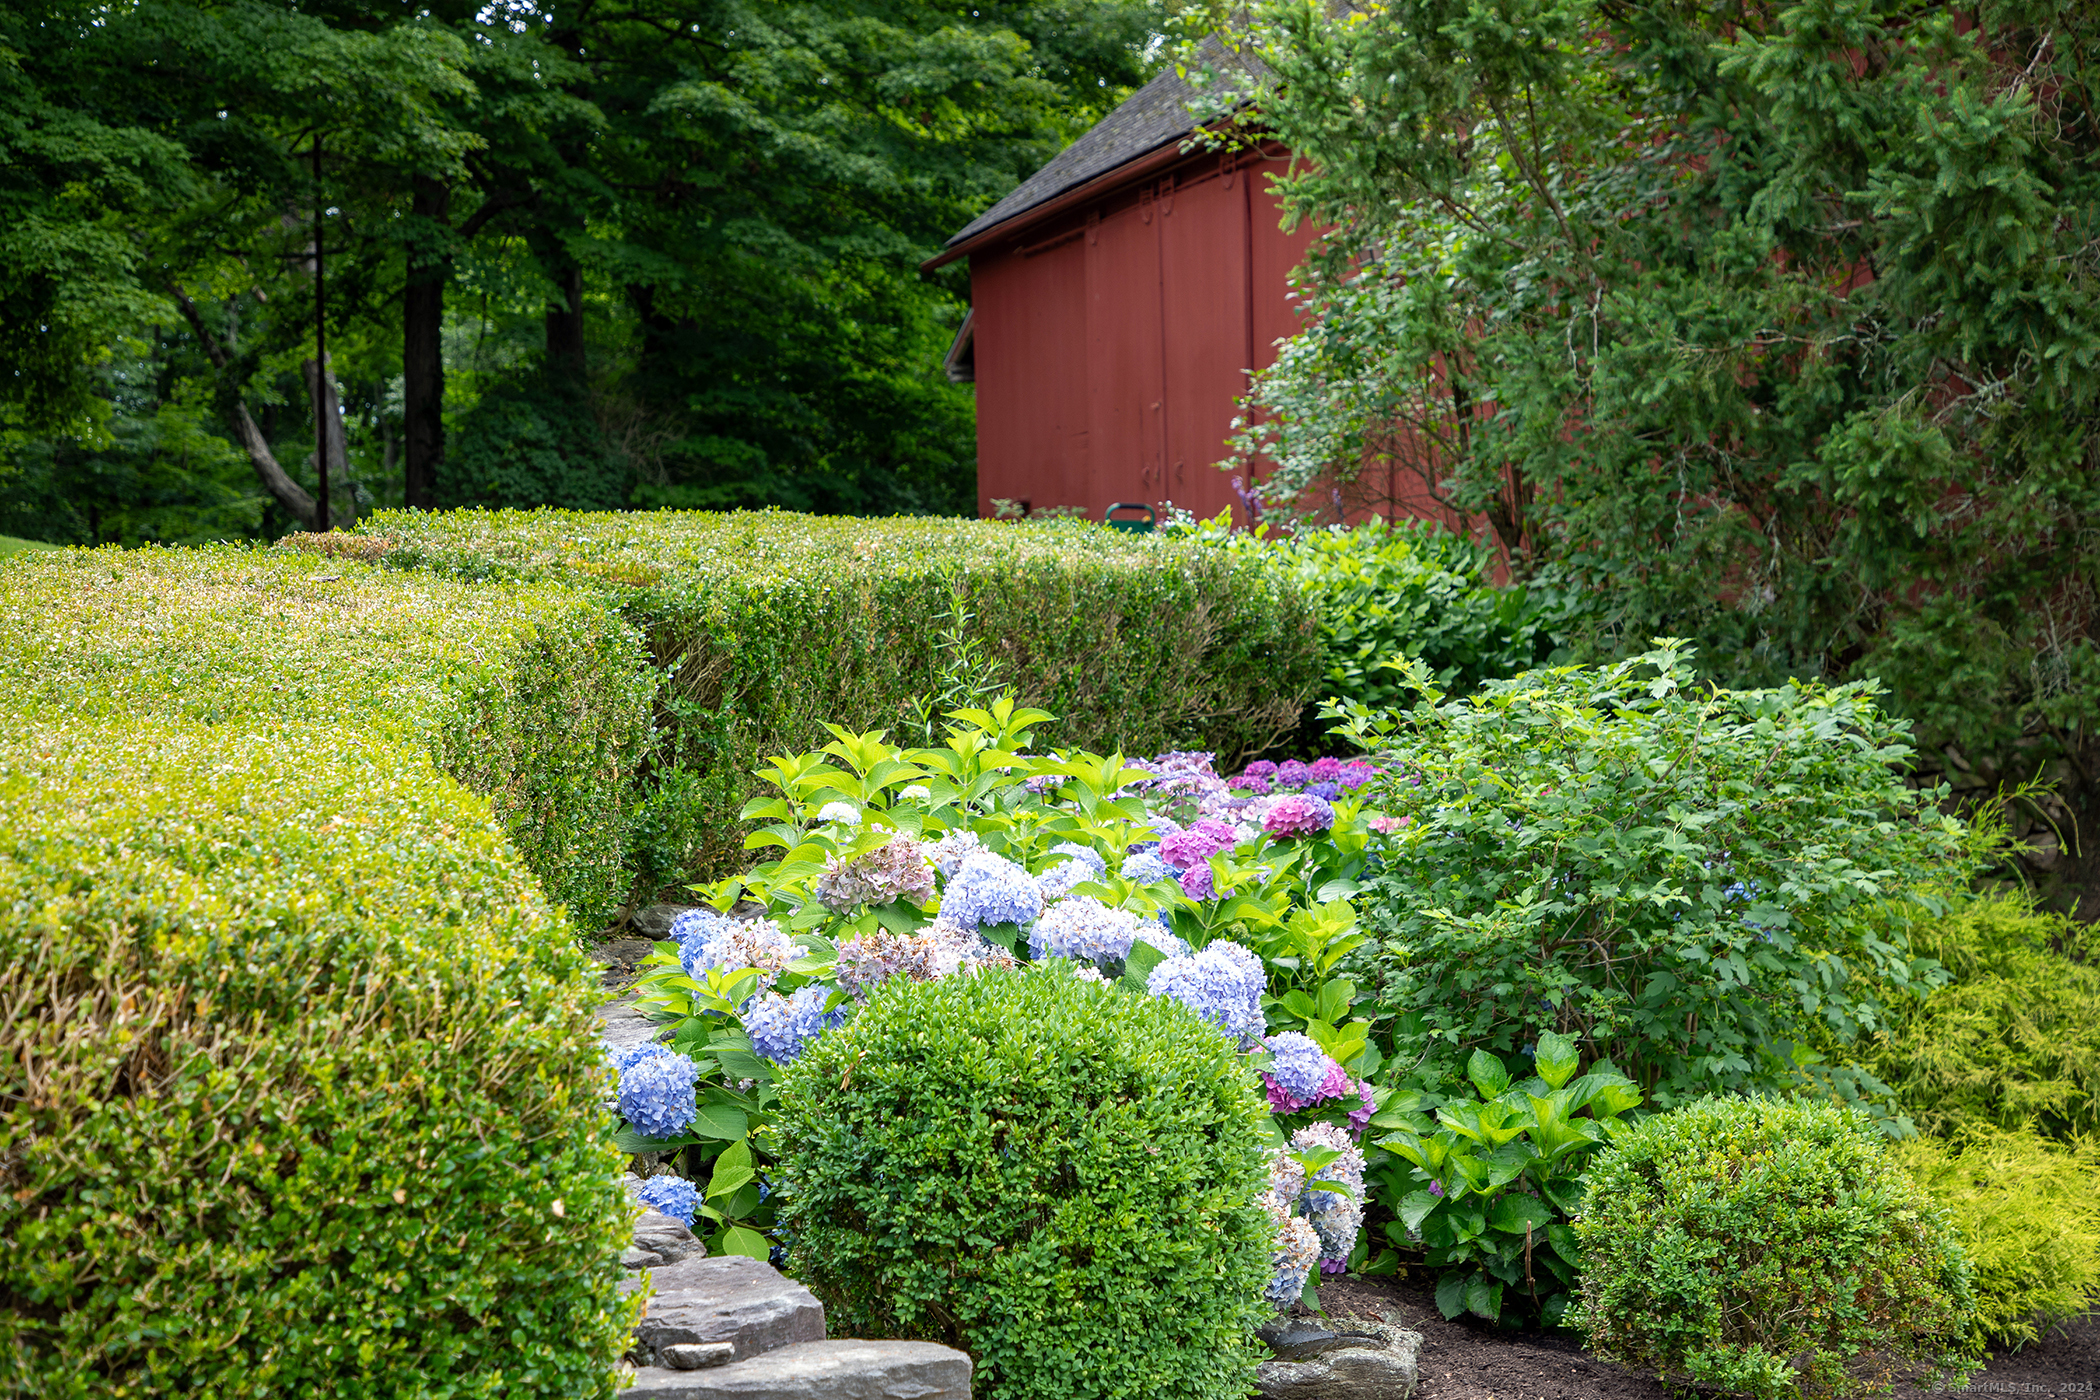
pixel 300 1089
pixel 768 624
pixel 532 693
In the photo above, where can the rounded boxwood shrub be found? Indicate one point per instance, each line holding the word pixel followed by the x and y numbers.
pixel 1057 1176
pixel 1769 1248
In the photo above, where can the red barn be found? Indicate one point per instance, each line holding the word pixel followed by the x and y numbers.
pixel 1120 298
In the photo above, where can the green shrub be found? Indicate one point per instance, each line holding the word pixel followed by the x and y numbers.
pixel 768 624
pixel 2028 1210
pixel 530 693
pixel 1416 589
pixel 1056 1176
pixel 1769 1248
pixel 2014 1039
pixel 1688 880
pixel 300 1085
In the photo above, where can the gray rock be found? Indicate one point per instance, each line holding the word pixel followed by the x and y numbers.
pixel 624 1025
pixel 692 1356
pixel 840 1370
pixel 1351 1358
pixel 633 1258
pixel 655 920
pixel 667 1238
pixel 1296 1339
pixel 730 1299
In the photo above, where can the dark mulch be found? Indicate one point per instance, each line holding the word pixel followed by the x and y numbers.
pixel 1470 1360
pixel 619 956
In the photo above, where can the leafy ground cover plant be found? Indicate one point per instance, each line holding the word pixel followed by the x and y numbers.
pixel 2028 1211
pixel 1686 880
pixel 1049 1172
pixel 1769 1248
pixel 1483 1184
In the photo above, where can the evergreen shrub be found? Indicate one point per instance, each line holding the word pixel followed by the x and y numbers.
pixel 1057 1176
pixel 768 624
pixel 300 1085
pixel 530 693
pixel 1768 1247
pixel 2029 1214
pixel 2014 1039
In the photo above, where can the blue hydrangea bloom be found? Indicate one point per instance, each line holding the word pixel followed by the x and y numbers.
pixel 672 1195
pixel 624 1056
pixel 989 889
pixel 1083 928
pixel 1222 984
pixel 1160 934
pixel 1062 878
pixel 656 1094
pixel 1326 792
pixel 1092 857
pixel 693 931
pixel 782 1027
pixel 1300 1065
pixel 1145 868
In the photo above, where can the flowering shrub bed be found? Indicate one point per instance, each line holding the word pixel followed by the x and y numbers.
pixel 766 623
pixel 917 865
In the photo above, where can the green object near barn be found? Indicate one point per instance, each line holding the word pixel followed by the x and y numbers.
pixel 1139 527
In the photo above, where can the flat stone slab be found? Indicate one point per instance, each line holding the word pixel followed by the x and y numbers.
pixel 1350 1359
pixel 836 1370
pixel 660 1239
pixel 729 1299
pixel 624 1026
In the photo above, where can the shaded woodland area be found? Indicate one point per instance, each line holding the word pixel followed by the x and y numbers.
pixel 603 255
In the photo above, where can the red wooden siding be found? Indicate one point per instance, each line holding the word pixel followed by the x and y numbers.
pixel 1113 341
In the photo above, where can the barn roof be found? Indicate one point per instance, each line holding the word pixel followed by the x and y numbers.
pixel 1153 116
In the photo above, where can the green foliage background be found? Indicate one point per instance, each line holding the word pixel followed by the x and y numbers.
pixel 727 201
pixel 1771 327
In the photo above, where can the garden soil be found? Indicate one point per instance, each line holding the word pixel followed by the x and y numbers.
pixel 1469 1360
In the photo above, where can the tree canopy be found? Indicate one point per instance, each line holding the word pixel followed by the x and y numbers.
pixel 1772 327
pixel 610 253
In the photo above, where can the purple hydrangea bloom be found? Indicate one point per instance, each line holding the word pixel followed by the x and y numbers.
pixel 656 1094
pixel 1326 792
pixel 782 1027
pixel 1298 815
pixel 1145 868
pixel 1197 882
pixel 1325 770
pixel 989 889
pixel 1355 775
pixel 1260 768
pixel 1292 773
pixel 1259 787
pixel 670 1195
pixel 1222 984
pixel 1299 1070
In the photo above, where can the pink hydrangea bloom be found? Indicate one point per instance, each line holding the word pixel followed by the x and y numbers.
pixel 1186 849
pixel 1386 826
pixel 1298 815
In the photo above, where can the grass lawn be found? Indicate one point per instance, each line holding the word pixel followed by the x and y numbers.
pixel 10 545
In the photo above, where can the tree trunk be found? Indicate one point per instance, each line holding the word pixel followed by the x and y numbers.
pixel 285 491
pixel 423 356
pixel 565 324
pixel 320 391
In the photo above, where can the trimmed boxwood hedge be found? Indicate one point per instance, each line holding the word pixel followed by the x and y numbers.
pixel 534 694
pixel 766 624
pixel 300 1088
